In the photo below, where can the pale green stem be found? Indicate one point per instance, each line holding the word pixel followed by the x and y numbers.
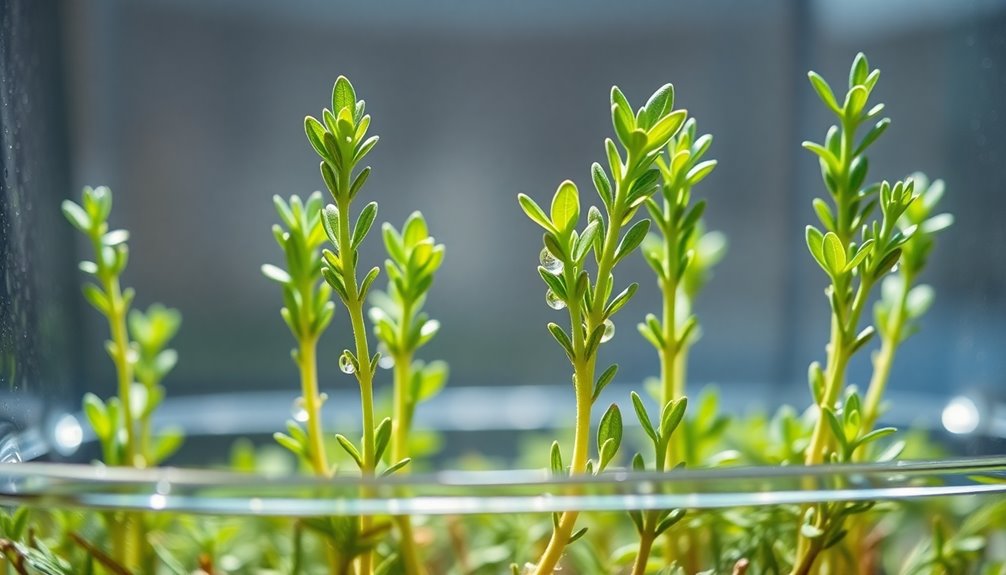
pixel 400 427
pixel 885 357
pixel 583 368
pixel 364 376
pixel 645 546
pixel 312 404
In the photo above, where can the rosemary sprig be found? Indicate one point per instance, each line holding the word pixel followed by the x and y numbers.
pixel 342 143
pixel 902 303
pixel 856 251
pixel 122 423
pixel 589 302
pixel 151 331
pixel 307 312
pixel 402 328
pixel 107 296
pixel 682 256
pixel 681 268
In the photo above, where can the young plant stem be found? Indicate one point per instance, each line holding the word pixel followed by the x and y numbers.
pixel 307 362
pixel 123 367
pixel 400 426
pixel 643 556
pixel 583 367
pixel 364 376
pixel 885 356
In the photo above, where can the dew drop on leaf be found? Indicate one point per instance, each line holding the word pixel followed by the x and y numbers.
pixel 552 264
pixel 346 365
pixel 554 301
pixel 609 330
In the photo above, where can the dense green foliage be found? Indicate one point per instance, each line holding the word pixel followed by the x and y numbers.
pixel 869 236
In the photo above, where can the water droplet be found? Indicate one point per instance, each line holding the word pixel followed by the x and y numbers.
pixel 298 411
pixel 552 264
pixel 386 361
pixel 346 364
pixel 609 330
pixel 894 269
pixel 553 300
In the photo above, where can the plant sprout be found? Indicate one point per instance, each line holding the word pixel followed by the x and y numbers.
pixel 590 304
pixel 402 328
pixel 122 423
pixel 307 312
pixel 902 303
pixel 681 256
pixel 856 251
pixel 151 332
pixel 869 236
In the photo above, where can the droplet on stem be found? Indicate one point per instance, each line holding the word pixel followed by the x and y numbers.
pixel 553 300
pixel 552 264
pixel 609 330
pixel 346 364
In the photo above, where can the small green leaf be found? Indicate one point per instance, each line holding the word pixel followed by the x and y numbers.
pixel 397 466
pixel 861 254
pixel 604 380
pixel 565 207
pixel 584 241
pixel 620 300
pixel 276 274
pixel 358 182
pixel 700 171
pixel 348 446
pixel 665 129
pixel 563 339
pixel 601 183
pixel 343 95
pixel 824 92
pixel 829 159
pixel 364 223
pixel 644 419
pixel 97 416
pixel 76 216
pixel 96 298
pixel 290 443
pixel 672 415
pixel 658 106
pixel 382 436
pixel 577 535
pixel 672 518
pixel 556 459
pixel 534 211
pixel 833 253
pixel 875 132
pixel 824 214
pixel 609 436
pixel 632 239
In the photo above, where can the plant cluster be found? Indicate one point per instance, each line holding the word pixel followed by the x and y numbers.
pixel 869 236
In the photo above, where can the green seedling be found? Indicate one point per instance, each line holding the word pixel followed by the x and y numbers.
pixel 307 311
pixel 856 250
pixel 869 236
pixel 123 423
pixel 402 327
pixel 623 188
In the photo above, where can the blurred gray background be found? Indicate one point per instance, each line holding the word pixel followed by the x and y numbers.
pixel 192 111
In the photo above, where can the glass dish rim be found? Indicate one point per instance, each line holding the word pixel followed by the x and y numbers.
pixel 203 491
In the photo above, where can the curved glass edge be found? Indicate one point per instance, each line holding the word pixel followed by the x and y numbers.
pixel 487 492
